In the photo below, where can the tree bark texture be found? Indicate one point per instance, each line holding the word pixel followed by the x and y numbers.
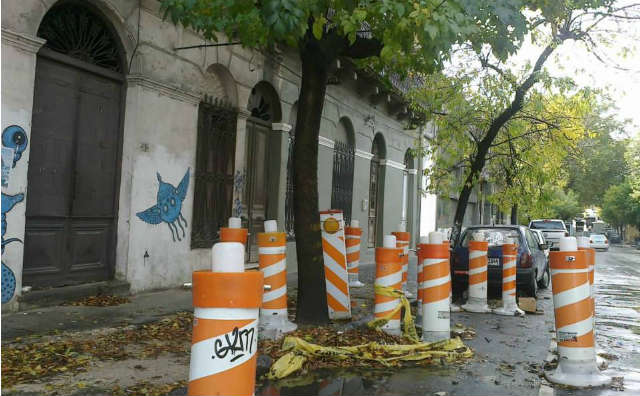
pixel 483 146
pixel 312 297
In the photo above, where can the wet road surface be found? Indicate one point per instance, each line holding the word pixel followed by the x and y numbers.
pixel 617 282
pixel 509 353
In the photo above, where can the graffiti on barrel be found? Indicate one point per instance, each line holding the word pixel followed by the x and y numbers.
pixel 168 208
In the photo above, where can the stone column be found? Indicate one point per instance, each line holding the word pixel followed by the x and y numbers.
pixel 278 167
pixel 239 207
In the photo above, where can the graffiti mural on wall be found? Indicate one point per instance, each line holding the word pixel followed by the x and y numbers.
pixel 168 208
pixel 238 182
pixel 15 139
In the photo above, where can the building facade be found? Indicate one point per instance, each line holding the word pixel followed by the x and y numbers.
pixel 124 151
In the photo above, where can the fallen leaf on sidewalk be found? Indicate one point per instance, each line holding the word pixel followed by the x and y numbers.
pixel 100 301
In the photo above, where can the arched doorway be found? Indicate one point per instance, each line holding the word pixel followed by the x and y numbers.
pixel 264 106
pixel 74 164
pixel 343 164
pixel 376 190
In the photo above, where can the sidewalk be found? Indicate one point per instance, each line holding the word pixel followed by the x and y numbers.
pixel 142 348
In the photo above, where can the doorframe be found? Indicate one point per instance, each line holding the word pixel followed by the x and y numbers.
pixel 121 78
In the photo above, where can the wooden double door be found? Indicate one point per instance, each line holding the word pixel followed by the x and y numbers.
pixel 73 172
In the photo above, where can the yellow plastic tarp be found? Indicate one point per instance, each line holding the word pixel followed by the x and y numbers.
pixel 409 328
pixel 388 355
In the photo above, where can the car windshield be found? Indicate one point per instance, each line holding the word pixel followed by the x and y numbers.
pixel 495 236
pixel 547 225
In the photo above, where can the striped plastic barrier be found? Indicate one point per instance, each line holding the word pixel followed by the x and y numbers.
pixel 436 283
pixel 388 274
pixel 573 318
pixel 234 235
pixel 272 259
pixel 225 333
pixel 402 242
pixel 452 307
pixel 477 301
pixel 509 306
pixel 420 255
pixel 335 264
pixel 352 242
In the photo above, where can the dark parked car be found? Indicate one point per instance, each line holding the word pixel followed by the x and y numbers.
pixel 613 236
pixel 532 270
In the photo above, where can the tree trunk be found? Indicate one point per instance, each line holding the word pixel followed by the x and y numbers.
pixel 514 214
pixel 480 157
pixel 312 297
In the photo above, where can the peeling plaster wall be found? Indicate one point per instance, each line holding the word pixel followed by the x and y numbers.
pixel 163 89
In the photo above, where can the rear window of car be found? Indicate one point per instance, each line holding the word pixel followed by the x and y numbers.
pixel 597 237
pixel 495 236
pixel 547 225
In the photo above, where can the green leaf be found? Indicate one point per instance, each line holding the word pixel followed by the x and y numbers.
pixel 318 27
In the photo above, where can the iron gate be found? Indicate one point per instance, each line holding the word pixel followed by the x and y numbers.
pixel 215 155
pixel 342 183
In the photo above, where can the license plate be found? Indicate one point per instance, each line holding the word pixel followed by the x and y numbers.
pixel 494 262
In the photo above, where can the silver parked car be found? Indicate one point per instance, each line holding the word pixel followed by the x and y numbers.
pixel 599 241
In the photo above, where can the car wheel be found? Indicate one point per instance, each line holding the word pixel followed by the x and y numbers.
pixel 531 290
pixel 543 283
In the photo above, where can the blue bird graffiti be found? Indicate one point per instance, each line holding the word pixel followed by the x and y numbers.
pixel 168 209
pixel 8 277
pixel 15 137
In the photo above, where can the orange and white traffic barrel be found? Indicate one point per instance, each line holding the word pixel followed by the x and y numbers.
pixel 477 300
pixel 585 244
pixel 509 257
pixel 335 264
pixel 402 242
pixel 226 304
pixel 235 232
pixel 272 259
pixel 573 318
pixel 420 253
pixel 353 235
pixel 436 283
pixel 388 274
pixel 452 307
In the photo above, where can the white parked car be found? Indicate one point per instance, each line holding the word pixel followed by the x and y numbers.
pixel 552 229
pixel 599 241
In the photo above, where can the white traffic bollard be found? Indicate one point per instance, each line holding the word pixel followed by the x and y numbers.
pixel 388 274
pixel 573 318
pixel 235 232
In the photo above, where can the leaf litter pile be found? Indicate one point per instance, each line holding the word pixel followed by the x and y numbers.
pixel 315 348
pixel 25 362
pixel 100 301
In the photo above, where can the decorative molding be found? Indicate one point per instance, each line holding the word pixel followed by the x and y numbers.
pixel 243 113
pixel 412 171
pixel 363 154
pixel 323 141
pixel 280 126
pixel 392 164
pixel 28 44
pixel 164 89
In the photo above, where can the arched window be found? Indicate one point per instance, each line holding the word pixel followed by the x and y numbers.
pixel 343 163
pixel 264 105
pixel 80 33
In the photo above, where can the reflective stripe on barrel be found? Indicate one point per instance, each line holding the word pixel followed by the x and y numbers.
pixel 478 269
pixel 272 260
pixel 352 243
pixel 388 274
pixel 509 255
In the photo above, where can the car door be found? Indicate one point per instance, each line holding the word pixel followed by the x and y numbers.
pixel 536 252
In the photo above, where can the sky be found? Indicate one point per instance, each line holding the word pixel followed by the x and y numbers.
pixel 573 60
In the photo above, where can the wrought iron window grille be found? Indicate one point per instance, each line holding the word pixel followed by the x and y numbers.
pixel 342 182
